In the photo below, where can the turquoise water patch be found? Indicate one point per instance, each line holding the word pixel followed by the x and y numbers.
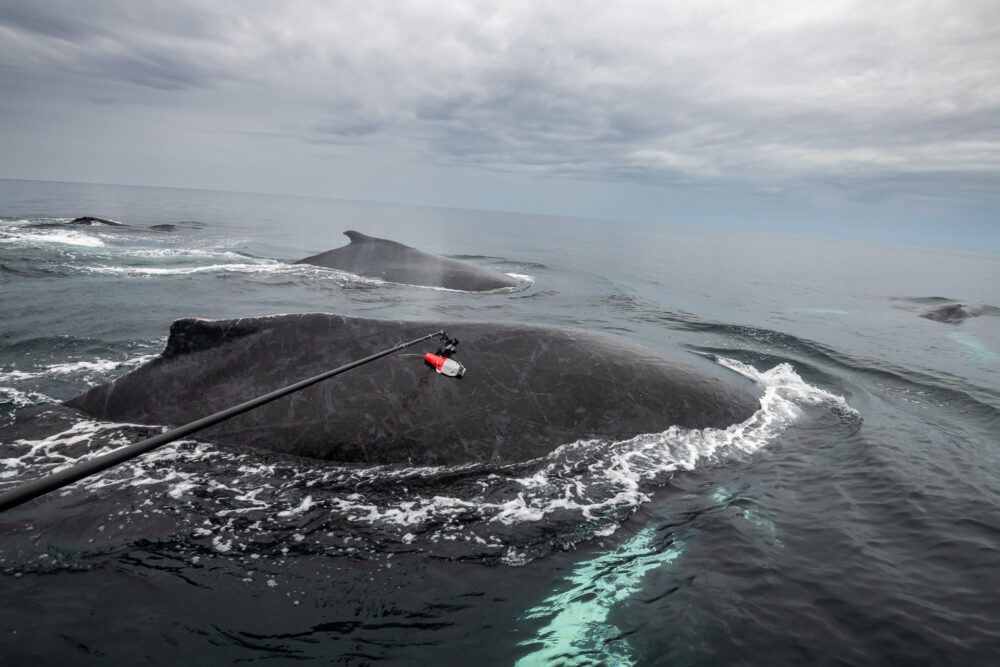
pixel 975 348
pixel 578 631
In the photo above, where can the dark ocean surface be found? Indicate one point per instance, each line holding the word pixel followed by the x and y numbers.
pixel 854 519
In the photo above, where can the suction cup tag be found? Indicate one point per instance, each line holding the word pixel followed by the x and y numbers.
pixel 444 365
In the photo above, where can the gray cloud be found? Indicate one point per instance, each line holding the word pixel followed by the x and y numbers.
pixel 165 46
pixel 861 98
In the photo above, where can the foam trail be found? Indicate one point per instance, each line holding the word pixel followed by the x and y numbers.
pixel 524 282
pixel 617 478
pixel 160 271
pixel 65 238
pixel 87 369
pixel 22 399
pixel 578 631
pixel 50 454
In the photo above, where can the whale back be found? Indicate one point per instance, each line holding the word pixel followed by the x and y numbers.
pixel 527 389
pixel 394 262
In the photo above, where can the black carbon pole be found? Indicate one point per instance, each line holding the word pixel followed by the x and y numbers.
pixel 38 487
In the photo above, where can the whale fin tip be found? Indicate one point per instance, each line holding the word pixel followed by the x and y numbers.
pixel 356 236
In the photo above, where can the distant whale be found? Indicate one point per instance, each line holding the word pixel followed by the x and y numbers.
pixel 527 390
pixel 394 262
pixel 955 313
pixel 90 220
pixel 82 221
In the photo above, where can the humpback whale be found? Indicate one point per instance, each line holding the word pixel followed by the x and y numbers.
pixel 91 221
pixel 83 221
pixel 394 262
pixel 953 313
pixel 527 389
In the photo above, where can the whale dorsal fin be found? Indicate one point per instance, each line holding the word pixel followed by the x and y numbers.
pixel 358 237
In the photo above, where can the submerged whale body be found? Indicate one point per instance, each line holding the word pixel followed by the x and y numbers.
pixel 527 389
pixel 952 313
pixel 394 262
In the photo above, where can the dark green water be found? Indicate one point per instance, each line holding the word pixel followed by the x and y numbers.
pixel 854 519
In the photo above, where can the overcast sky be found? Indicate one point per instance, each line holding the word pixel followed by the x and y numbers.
pixel 876 120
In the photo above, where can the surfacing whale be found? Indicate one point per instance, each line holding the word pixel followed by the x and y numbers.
pixel 527 390
pixel 394 262
pixel 82 221
pixel 92 221
pixel 954 313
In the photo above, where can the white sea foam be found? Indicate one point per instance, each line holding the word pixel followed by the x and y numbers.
pixel 87 369
pixel 21 398
pixel 524 282
pixel 523 277
pixel 185 253
pixel 53 449
pixel 306 503
pixel 99 366
pixel 174 271
pixel 14 375
pixel 62 237
pixel 241 265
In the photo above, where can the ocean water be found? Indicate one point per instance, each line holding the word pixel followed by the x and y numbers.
pixel 855 518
